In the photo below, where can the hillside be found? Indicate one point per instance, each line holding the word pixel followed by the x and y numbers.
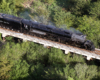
pixel 30 61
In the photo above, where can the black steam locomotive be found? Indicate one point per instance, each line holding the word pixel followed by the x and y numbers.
pixel 45 31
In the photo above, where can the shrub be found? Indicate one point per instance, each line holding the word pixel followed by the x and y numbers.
pixel 9 38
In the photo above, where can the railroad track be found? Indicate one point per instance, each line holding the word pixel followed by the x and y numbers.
pixel 67 48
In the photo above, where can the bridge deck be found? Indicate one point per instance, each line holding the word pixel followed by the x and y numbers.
pixel 89 54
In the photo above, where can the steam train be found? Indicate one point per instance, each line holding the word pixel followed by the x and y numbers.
pixel 45 31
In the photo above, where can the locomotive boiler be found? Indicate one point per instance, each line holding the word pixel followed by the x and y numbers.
pixel 45 31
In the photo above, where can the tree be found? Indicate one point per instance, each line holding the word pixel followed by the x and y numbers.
pixel 19 70
pixel 85 72
pixel 94 9
pixel 90 27
pixel 48 1
pixel 9 55
pixel 5 67
pixel 78 7
pixel 8 6
pixel 61 18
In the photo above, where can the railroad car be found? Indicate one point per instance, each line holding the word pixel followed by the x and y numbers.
pixel 45 31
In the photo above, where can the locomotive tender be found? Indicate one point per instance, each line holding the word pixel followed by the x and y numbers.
pixel 50 32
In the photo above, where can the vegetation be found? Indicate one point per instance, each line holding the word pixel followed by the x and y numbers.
pixel 27 60
pixel 31 61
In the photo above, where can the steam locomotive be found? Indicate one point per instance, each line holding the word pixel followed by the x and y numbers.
pixel 45 31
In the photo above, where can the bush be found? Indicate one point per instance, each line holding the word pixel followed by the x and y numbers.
pixel 9 38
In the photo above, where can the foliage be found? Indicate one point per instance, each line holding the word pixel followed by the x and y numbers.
pixel 8 6
pixel 28 60
pixel 10 54
pixel 74 58
pixel 19 70
pixel 48 1
pixel 54 74
pixel 39 8
pixel 5 67
pixel 37 71
pixel 9 38
pixel 78 7
pixel 94 9
pixel 90 27
pixel 83 71
pixel 0 36
pixel 61 17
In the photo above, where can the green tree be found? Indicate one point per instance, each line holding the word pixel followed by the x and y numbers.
pixel 94 9
pixel 19 70
pixel 48 1
pixel 78 7
pixel 85 72
pixel 40 8
pixel 10 54
pixel 8 6
pixel 5 67
pixel 61 18
pixel 90 27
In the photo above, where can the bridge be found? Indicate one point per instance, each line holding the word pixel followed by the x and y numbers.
pixel 67 48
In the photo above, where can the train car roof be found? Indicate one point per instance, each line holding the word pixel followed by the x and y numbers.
pixel 12 17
